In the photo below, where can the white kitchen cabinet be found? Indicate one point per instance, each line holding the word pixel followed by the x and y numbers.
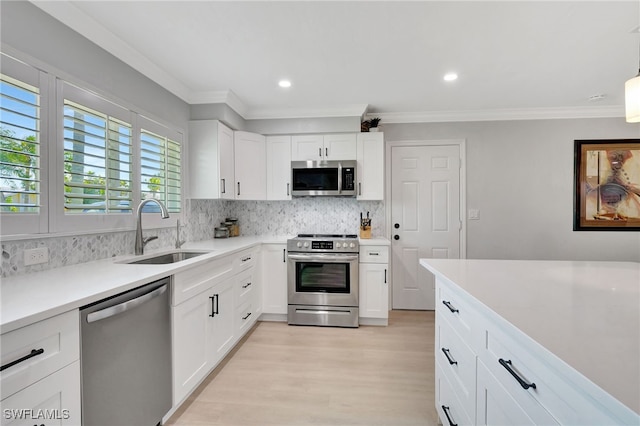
pixel 222 320
pixel 278 167
pixel 490 373
pixel 370 169
pixel 250 166
pixel 333 147
pixel 53 400
pixel 374 285
pixel 274 281
pixel 41 371
pixel 211 160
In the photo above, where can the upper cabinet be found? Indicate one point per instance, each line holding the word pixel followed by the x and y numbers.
pixel 278 167
pixel 370 166
pixel 250 166
pixel 211 160
pixel 323 147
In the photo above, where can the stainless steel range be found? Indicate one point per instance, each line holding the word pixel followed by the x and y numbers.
pixel 322 277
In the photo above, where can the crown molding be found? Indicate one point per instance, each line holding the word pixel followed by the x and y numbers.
pixel 355 110
pixel 614 111
pixel 77 20
pixel 227 97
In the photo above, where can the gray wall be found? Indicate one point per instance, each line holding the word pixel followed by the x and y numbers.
pixel 520 177
pixel 28 29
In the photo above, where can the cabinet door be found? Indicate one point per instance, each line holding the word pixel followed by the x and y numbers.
pixel 306 147
pixel 250 166
pixel 370 166
pixel 274 279
pixel 340 146
pixel 191 326
pixel 57 396
pixel 374 291
pixel 226 162
pixel 221 334
pixel 278 167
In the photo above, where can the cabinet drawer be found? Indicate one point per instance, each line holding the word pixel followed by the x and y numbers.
pixel 244 287
pixel 567 401
pixel 245 259
pixel 454 308
pixel 499 406
pixel 57 397
pixel 245 317
pixel 458 362
pixel 195 280
pixel 374 254
pixel 54 343
pixel 450 410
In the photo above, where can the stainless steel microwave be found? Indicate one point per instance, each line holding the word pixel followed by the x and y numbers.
pixel 323 178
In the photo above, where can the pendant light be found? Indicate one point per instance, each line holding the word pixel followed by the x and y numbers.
pixel 632 99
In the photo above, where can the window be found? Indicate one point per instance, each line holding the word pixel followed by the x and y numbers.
pixel 97 162
pixel 23 155
pixel 160 168
pixel 19 146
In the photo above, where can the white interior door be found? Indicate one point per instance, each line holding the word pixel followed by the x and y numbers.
pixel 425 218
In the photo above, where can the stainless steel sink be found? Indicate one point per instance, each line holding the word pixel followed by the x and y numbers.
pixel 166 258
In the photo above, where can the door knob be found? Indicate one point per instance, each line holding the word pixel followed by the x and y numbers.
pixel 397 225
pixel 396 237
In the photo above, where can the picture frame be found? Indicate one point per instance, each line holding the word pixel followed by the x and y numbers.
pixel 606 185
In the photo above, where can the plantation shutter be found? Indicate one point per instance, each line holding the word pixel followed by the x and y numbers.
pixel 97 162
pixel 19 147
pixel 160 170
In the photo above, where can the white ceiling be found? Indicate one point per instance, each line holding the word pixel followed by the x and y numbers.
pixel 514 58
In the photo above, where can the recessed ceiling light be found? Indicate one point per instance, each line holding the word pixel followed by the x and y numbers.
pixel 450 76
pixel 284 83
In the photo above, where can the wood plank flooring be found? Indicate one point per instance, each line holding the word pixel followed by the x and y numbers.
pixel 289 375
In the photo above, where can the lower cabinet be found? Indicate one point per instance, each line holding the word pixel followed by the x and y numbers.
pixel 274 280
pixel 54 400
pixel 373 280
pixel 207 326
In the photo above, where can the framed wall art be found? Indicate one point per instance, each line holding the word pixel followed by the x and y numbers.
pixel 607 185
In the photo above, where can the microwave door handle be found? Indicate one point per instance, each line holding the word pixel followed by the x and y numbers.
pixel 339 178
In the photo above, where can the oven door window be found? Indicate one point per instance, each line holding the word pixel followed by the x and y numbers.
pixel 317 179
pixel 313 277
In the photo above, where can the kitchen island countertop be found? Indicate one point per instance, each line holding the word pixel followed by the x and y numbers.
pixel 585 313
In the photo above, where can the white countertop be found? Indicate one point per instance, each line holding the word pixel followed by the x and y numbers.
pixel 28 298
pixel 585 313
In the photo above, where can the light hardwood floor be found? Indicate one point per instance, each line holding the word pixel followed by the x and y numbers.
pixel 289 375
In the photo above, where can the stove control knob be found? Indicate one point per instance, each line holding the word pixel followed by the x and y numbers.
pixel 338 245
pixel 306 244
pixel 299 244
pixel 352 245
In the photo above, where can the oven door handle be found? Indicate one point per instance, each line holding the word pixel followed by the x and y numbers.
pixel 317 257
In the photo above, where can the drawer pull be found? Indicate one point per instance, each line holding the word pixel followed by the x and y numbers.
pixel 446 353
pixel 507 364
pixel 247 316
pixel 246 285
pixel 446 413
pixel 246 258
pixel 34 352
pixel 373 253
pixel 448 305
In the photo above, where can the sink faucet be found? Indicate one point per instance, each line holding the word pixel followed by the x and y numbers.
pixel 140 242
pixel 179 243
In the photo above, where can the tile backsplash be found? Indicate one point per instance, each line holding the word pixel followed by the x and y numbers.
pixel 300 215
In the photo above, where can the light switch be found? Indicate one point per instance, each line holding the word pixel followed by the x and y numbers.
pixel 474 214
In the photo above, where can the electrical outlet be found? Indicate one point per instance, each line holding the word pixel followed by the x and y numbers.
pixel 474 214
pixel 36 256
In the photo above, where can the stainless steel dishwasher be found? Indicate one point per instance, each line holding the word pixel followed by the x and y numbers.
pixel 126 358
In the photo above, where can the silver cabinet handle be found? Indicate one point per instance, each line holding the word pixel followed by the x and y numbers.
pixel 238 188
pixel 224 186
pixel 125 306
pixel 326 152
pixel 359 188
pixel 288 189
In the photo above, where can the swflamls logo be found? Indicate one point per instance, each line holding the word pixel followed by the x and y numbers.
pixel 40 414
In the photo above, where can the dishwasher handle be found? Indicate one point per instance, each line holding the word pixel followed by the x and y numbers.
pixel 125 306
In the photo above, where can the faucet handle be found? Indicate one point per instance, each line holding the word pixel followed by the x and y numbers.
pixel 151 238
